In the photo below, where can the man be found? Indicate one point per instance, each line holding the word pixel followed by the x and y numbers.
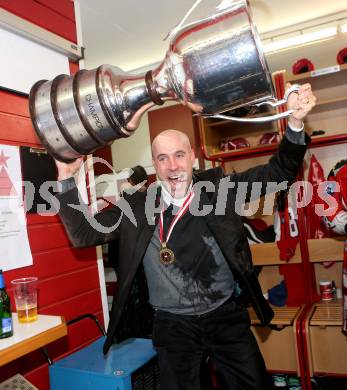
pixel 198 268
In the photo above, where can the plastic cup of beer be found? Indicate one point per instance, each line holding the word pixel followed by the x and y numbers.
pixel 25 297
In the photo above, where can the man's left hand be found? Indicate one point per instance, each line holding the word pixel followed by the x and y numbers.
pixel 302 103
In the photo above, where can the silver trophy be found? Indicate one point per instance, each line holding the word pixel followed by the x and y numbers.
pixel 213 65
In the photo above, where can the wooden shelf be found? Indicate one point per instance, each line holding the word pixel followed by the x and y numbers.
pixel 311 75
pixel 268 254
pixel 325 249
pixel 238 153
pixel 327 314
pixel 284 316
pixel 29 337
pixel 340 136
pixel 213 132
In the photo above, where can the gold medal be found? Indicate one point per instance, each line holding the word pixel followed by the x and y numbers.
pixel 166 255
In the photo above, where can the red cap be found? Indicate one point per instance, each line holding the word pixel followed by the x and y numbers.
pixel 233 144
pixel 342 56
pixel 237 143
pixel 303 65
pixel 269 138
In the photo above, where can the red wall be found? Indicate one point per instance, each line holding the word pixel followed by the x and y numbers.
pixel 68 278
pixel 57 16
pixel 104 153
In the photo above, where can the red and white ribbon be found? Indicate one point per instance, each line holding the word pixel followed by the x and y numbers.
pixel 183 209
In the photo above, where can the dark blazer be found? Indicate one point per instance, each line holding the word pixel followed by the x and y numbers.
pixel 227 229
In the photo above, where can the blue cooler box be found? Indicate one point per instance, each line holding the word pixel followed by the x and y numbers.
pixel 130 365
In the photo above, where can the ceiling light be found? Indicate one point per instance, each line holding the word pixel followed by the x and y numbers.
pixel 343 28
pixel 302 38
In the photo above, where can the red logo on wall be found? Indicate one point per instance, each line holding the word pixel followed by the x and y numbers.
pixel 6 186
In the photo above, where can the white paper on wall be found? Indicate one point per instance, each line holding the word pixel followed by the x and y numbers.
pixel 14 243
pixel 23 62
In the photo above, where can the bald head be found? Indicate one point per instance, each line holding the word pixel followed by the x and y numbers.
pixel 169 135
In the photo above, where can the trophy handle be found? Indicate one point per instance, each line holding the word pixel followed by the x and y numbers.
pixel 178 26
pixel 294 88
pixel 248 120
pixel 270 118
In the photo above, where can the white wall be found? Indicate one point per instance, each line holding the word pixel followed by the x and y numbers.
pixel 134 150
pixel 21 75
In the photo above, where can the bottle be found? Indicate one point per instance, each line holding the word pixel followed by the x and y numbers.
pixel 6 325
